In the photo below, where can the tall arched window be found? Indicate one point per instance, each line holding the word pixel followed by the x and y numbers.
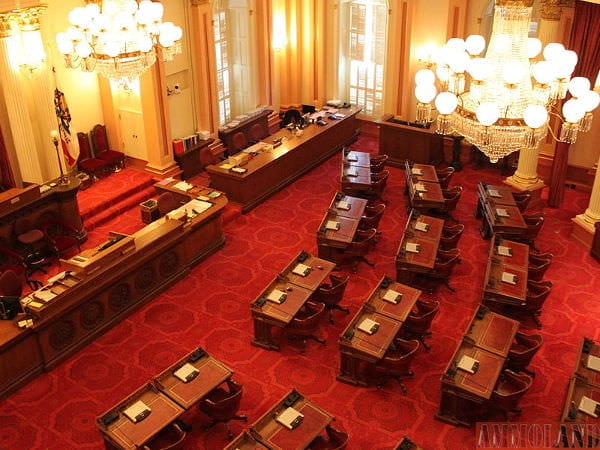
pixel 362 53
pixel 234 51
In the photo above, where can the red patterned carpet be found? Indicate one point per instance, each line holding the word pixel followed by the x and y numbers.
pixel 210 308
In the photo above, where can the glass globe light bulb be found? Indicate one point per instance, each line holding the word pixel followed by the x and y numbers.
pixel 487 113
pixel 573 110
pixel 543 72
pixel 590 100
pixel 578 86
pixel 475 44
pixel 553 51
pixel 446 103
pixel 513 72
pixel 534 47
pixel 479 68
pixel 535 116
pixel 425 93
pixel 424 76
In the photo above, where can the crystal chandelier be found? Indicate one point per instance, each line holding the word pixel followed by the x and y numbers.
pixel 501 102
pixel 119 39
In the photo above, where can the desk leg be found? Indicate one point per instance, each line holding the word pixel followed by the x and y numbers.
pixel 485 230
pixel 349 371
pixel 478 210
pixel 263 336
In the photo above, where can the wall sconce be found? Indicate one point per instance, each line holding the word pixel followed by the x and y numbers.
pixel 27 50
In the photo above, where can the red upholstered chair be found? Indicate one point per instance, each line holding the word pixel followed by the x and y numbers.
pixel 378 163
pixel 418 323
pixel 62 236
pixel 10 284
pixel 94 167
pixel 335 440
pixel 305 324
pixel 537 293
pixel 372 217
pixel 223 405
pixel 239 142
pixel 534 224
pixel 441 272
pixel 509 390
pixel 166 203
pixel 522 199
pixel 444 176
pixel 538 264
pixel 359 248
pixel 113 158
pixel 396 362
pixel 451 236
pixel 331 293
pixel 451 198
pixel 258 132
pixel 523 350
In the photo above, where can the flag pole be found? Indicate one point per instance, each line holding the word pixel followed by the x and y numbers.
pixel 62 179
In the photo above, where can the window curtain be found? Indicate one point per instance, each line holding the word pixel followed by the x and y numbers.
pixel 6 176
pixel 585 39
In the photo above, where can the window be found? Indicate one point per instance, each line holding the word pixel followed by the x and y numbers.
pixel 362 55
pixel 234 46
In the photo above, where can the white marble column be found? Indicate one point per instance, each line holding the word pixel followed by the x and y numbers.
pixel 583 224
pixel 525 177
pixel 19 118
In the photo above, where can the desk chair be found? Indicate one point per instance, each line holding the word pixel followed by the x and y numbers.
pixel 444 176
pixel 538 264
pixel 377 163
pixel 223 405
pixel 451 236
pixel 451 198
pixel 94 167
pixel 306 322
pixel 258 132
pixel 15 262
pixel 537 293
pixel 396 362
pixel 62 236
pixel 523 350
pixel 522 199
pixel 36 249
pixel 372 217
pixel 509 390
pixel 534 224
pixel 239 142
pixel 113 158
pixel 357 250
pixel 10 284
pixel 291 116
pixel 441 272
pixel 331 294
pixel 418 324
pixel 166 203
pixel 336 440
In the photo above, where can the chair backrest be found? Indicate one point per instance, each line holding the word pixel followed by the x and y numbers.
pixel 166 202
pixel 99 139
pixel 331 294
pixel 451 197
pixel 537 293
pixel 10 284
pixel 420 321
pixel 239 141
pixel 363 244
pixel 309 321
pixel 373 217
pixel 445 262
pixel 402 357
pixel 511 387
pixel 338 439
pixel 450 239
pixel 379 181
pixel 534 224
pixel 22 225
pixel 524 349
pixel 258 132
pixel 537 269
pixel 226 405
pixel 291 115
pixel 522 199
pixel 444 176
pixel 85 151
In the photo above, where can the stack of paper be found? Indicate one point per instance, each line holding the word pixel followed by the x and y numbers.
pixel 412 247
pixel 504 251
pixel 332 225
pixel 494 193
pixel 420 187
pixel 416 171
pixel 186 373
pixel 343 205
pixel 368 326
pixel 422 226
pixel 468 364
pixel 44 294
pixel 589 406
pixel 509 278
pixel 183 186
pixel 392 296
pixel 301 269
pixel 290 418
pixel 593 363
pixel 226 166
pixel 501 212
pixel 138 411
pixel 277 296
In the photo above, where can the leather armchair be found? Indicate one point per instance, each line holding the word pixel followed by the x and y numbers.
pixel 331 294
pixel 538 264
pixel 305 324
pixel 441 272
pixel 335 440
pixel 510 389
pixel 94 167
pixel 358 249
pixel 523 350
pixel 223 405
pixel 378 163
pixel 113 158
pixel 537 293
pixel 444 176
pixel 396 362
pixel 372 217
pixel 167 202
pixel 522 199
pixel 451 236
pixel 418 323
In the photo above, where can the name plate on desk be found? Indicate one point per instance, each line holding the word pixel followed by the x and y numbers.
pixel 589 406
pixel 468 364
pixel 422 226
pixel 501 212
pixel 392 296
pixel 343 205
pixel 301 269
pixel 412 247
pixel 369 326
pixel 416 171
pixel 137 412
pixel 186 373
pixel 494 193
pixel 593 363
pixel 504 251
pixel 277 296
pixel 290 418
pixel 332 225
pixel 509 278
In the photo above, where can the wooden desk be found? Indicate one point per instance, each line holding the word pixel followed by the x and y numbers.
pixel 491 331
pixel 357 346
pixel 189 160
pixel 212 373
pixel 464 395
pixel 123 433
pixel 355 178
pixel 398 311
pixel 578 388
pixel 358 159
pixel 278 437
pixel 424 195
pixel 267 314
pixel 519 253
pixel 356 206
pixel 185 191
pixel 588 347
pixel 408 263
pixel 494 289
pixel 244 125
pixel 245 441
pixel 340 237
pixel 269 171
pixel 424 172
pixel 493 222
pixel 500 195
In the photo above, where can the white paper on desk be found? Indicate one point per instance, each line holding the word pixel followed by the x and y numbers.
pixel 290 418
pixel 332 225
pixel 420 187
pixel 416 171
pixel 422 226
pixel 301 269
pixel 226 166
pixel 57 277
pixel 502 212
pixel 186 372
pixel 504 251
pixel 137 411
pixel 239 170
pixel 276 296
pixel 494 193
pixel 369 326
pixel 412 247
pixel 343 205
pixel 392 296
pixel 593 363
pixel 509 278
pixel 467 363
pixel 588 406
pixel 183 186
pixel 44 294
pixel 351 173
pixel 194 207
pixel 352 158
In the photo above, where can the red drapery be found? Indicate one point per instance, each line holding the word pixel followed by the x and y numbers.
pixel 585 41
pixel 6 176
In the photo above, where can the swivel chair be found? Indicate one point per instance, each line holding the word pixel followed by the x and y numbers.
pixel 396 362
pixel 223 405
pixel 331 294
